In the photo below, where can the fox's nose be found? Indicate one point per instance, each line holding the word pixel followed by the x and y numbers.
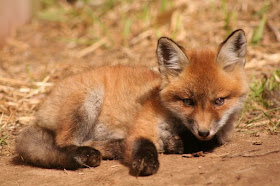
pixel 203 133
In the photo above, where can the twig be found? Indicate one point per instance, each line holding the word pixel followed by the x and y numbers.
pixel 141 36
pixel 256 124
pixel 250 155
pixel 17 44
pixel 245 170
pixel 274 30
pixel 239 154
pixel 36 91
pixel 91 48
pixel 260 63
pixel 114 166
pixel 13 82
pixel 1 118
pixel 4 125
pixel 261 154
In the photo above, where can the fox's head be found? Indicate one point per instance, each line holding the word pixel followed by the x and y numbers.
pixel 205 89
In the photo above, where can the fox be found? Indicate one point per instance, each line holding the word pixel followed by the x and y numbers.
pixel 134 113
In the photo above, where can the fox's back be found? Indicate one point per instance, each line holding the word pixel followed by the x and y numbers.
pixel 121 90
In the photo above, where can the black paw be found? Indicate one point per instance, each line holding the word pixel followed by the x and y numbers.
pixel 88 157
pixel 174 145
pixel 145 159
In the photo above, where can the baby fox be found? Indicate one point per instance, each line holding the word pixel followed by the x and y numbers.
pixel 133 113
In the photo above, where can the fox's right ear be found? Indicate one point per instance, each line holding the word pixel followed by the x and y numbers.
pixel 233 50
pixel 171 57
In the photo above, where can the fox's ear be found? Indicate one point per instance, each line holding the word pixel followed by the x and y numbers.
pixel 171 58
pixel 232 51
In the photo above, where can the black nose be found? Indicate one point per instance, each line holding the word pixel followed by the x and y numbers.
pixel 203 133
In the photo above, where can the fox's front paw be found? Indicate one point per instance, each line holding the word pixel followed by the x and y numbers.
pixel 174 145
pixel 145 159
pixel 144 166
pixel 88 157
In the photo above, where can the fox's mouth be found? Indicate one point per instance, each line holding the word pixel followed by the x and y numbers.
pixel 204 138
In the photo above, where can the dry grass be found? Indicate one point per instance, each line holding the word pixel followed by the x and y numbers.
pixel 63 39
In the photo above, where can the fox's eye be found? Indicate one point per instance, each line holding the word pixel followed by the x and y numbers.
pixel 219 101
pixel 188 102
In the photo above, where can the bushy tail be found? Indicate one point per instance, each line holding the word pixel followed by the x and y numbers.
pixel 36 146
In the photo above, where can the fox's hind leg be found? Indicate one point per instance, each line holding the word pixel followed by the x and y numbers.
pixel 64 146
pixel 37 146
pixel 78 119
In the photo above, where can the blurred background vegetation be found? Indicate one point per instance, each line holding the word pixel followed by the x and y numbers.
pixel 96 19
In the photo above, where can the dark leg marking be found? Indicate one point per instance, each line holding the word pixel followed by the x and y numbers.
pixel 144 158
pixel 87 156
pixel 174 145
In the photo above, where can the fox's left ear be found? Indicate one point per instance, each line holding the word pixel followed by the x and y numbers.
pixel 233 50
pixel 171 57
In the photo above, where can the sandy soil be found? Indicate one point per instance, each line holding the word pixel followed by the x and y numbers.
pixel 246 160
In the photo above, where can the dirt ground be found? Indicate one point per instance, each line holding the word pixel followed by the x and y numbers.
pixel 246 160
pixel 42 52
